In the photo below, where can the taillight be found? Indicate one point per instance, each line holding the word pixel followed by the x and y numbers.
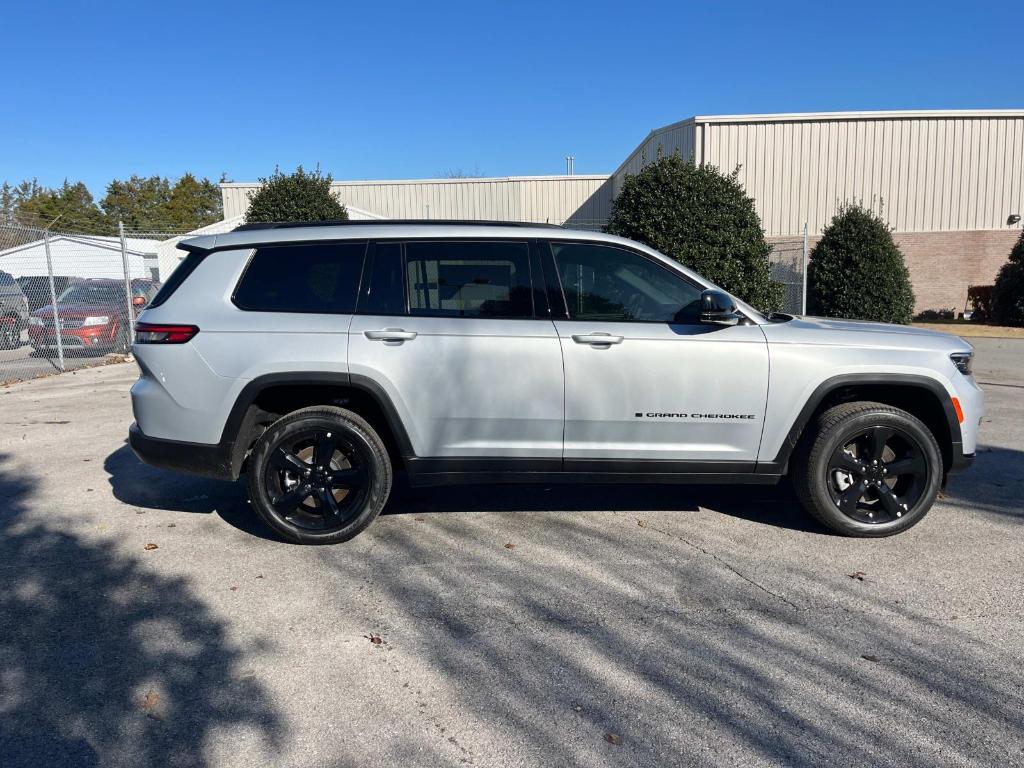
pixel 152 333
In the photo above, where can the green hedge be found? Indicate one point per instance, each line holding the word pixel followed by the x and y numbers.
pixel 704 220
pixel 298 196
pixel 1008 293
pixel 857 271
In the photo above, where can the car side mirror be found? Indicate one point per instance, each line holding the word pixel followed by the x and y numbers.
pixel 718 308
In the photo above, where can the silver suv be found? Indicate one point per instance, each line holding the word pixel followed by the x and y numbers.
pixel 318 359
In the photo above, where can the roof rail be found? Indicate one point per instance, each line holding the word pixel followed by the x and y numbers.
pixel 380 222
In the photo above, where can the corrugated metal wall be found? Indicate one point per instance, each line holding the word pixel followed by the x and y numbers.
pixel 941 172
pixel 553 199
pixel 678 137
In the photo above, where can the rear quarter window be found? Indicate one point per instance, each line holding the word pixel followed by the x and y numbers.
pixel 320 278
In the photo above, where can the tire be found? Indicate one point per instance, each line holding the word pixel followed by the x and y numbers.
pixel 868 469
pixel 293 494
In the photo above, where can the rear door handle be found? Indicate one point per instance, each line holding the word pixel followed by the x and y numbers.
pixel 390 334
pixel 598 339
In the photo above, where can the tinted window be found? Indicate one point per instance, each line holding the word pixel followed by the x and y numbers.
pixel 383 291
pixel 458 279
pixel 182 271
pixel 320 278
pixel 606 283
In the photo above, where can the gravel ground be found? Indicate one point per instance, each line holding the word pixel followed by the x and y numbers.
pixel 511 626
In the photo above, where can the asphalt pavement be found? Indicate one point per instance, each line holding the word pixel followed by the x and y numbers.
pixel 146 618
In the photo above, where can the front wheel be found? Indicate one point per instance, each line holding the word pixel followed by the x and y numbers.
pixel 319 475
pixel 869 469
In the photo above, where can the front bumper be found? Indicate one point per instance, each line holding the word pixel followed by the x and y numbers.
pixel 961 460
pixel 191 458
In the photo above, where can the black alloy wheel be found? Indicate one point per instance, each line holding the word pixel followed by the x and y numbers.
pixel 878 475
pixel 867 469
pixel 317 479
pixel 319 475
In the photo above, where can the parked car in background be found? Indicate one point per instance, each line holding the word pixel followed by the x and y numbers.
pixel 13 312
pixel 37 288
pixel 93 316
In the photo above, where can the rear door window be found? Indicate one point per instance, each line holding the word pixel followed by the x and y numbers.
pixel 320 278
pixel 383 290
pixel 469 279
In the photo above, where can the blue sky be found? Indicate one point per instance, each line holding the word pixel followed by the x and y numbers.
pixel 409 90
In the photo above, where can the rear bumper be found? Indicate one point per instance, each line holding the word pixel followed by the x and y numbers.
pixel 191 458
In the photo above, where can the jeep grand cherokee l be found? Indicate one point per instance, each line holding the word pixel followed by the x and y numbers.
pixel 320 359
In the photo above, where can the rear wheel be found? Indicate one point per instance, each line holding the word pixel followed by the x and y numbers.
pixel 869 469
pixel 319 475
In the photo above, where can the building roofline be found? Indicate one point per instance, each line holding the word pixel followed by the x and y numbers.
pixel 472 180
pixel 896 114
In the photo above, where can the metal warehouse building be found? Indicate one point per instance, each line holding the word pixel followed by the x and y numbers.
pixel 950 183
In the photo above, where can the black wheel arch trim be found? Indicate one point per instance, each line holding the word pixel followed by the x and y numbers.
pixel 827 387
pixel 242 411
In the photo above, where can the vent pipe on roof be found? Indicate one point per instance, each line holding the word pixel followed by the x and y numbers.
pixel 569 162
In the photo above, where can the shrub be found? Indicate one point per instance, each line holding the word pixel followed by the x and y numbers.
pixel 299 196
pixel 857 271
pixel 1008 293
pixel 704 220
pixel 980 299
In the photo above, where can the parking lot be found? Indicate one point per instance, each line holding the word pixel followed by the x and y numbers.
pixel 147 619
pixel 25 363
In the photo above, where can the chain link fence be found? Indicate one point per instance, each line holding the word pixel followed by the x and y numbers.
pixel 68 299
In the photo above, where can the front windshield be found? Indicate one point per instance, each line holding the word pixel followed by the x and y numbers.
pixel 94 293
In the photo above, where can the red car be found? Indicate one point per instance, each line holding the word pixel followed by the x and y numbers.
pixel 93 316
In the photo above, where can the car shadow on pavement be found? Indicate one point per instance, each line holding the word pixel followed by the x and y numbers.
pixel 994 484
pixel 139 485
pixel 103 659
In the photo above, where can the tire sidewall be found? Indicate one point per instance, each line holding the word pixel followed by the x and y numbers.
pixel 323 419
pixel 845 431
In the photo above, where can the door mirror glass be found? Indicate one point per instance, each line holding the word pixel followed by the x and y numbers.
pixel 718 308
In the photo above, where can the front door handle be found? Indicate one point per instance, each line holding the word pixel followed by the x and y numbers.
pixel 596 339
pixel 390 334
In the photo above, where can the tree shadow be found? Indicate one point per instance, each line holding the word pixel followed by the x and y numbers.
pixel 688 648
pixel 103 659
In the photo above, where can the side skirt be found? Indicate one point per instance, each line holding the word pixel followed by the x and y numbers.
pixel 457 471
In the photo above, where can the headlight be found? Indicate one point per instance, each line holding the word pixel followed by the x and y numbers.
pixel 36 321
pixel 962 361
pixel 96 320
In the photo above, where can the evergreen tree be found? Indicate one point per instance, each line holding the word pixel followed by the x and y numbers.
pixel 1008 294
pixel 703 219
pixel 298 196
pixel 857 271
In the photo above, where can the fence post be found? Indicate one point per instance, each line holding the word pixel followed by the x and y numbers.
pixel 53 300
pixel 803 277
pixel 127 285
